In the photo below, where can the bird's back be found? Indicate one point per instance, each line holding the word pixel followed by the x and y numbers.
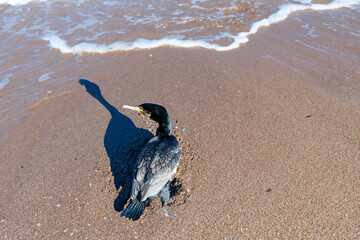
pixel 155 165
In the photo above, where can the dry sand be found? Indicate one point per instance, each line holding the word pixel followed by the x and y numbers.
pixel 268 152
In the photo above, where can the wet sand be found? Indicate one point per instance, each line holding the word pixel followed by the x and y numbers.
pixel 268 151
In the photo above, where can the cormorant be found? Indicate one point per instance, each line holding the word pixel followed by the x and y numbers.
pixel 156 163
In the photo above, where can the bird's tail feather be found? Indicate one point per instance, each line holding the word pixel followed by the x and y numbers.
pixel 134 210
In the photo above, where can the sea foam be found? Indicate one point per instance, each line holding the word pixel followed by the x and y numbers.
pixel 283 12
pixel 19 2
pixel 45 76
pixel 5 81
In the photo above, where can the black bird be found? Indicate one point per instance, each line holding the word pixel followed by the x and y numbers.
pixel 157 162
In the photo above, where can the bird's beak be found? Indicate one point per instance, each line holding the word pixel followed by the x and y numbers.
pixel 132 108
pixel 137 109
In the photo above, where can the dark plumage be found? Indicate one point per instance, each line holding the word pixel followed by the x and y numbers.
pixel 156 163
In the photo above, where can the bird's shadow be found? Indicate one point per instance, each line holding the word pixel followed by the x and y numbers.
pixel 123 142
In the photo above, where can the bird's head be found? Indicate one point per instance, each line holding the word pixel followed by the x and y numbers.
pixel 156 113
pixel 153 111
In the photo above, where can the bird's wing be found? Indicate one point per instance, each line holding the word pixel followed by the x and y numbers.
pixel 161 169
pixel 143 163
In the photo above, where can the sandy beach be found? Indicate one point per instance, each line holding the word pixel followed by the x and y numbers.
pixel 271 147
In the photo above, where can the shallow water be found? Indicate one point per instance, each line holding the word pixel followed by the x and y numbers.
pixel 39 40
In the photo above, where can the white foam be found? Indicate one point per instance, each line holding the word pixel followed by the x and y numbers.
pixel 311 30
pixel 140 43
pixel 110 3
pixel 45 76
pixel 58 43
pixel 5 81
pixel 19 2
pixel 283 12
pixel 324 50
pixel 355 34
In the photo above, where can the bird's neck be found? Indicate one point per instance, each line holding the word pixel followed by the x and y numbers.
pixel 164 128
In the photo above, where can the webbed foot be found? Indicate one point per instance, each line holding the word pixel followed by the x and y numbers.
pixel 166 213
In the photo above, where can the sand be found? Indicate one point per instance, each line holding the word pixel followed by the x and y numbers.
pixel 268 152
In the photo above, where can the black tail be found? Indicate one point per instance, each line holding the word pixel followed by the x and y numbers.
pixel 134 210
